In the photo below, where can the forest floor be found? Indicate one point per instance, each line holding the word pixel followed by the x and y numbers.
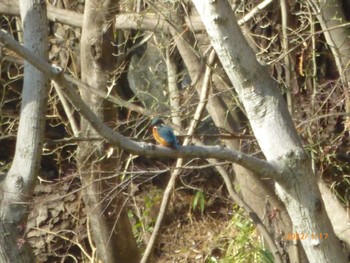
pixel 196 228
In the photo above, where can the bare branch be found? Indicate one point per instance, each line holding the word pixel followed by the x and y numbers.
pixel 256 165
pixel 287 62
pixel 256 9
pixel 172 87
pixel 253 215
pixel 9 7
pixel 67 110
pixel 176 172
pixel 148 21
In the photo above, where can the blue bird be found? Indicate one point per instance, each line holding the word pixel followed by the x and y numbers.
pixel 163 134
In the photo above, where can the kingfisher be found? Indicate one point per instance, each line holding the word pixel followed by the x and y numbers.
pixel 163 134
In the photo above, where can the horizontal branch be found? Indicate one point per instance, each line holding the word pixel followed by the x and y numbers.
pixel 256 165
pixel 68 17
pixel 144 21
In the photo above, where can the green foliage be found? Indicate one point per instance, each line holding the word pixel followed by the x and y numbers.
pixel 199 201
pixel 245 246
pixel 144 217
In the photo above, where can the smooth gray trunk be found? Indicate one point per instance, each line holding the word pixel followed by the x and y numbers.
pixel 18 187
pixel 274 130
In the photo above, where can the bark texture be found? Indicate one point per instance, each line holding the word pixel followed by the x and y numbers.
pixel 259 194
pixel 332 20
pixel 20 181
pixel 274 130
pixel 109 223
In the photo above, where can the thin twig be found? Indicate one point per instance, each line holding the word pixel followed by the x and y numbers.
pixel 67 110
pixel 287 64
pixel 252 214
pixel 256 9
pixel 260 167
pixel 171 184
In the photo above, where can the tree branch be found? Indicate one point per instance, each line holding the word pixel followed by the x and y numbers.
pixel 261 167
pixel 145 21
pixel 10 7
pixel 273 128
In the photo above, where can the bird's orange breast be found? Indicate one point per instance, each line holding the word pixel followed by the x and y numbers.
pixel 158 138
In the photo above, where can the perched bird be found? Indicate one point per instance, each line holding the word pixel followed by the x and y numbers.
pixel 163 134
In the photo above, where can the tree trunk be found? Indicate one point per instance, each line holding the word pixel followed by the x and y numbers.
pixel 258 194
pixel 275 132
pixel 109 223
pixel 18 187
pixel 331 17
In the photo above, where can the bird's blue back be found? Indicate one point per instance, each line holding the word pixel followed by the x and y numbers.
pixel 167 134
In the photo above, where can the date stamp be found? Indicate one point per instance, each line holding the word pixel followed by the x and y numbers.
pixel 303 236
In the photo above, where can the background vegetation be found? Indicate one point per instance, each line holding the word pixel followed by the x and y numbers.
pixel 202 223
